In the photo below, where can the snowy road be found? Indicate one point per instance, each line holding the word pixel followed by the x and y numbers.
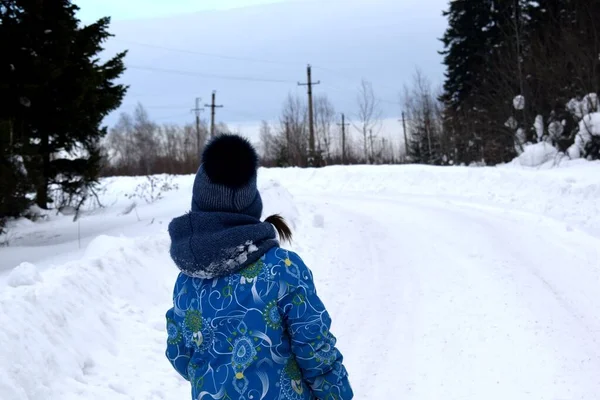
pixel 444 301
pixel 477 284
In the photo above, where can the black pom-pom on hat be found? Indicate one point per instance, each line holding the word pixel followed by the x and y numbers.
pixel 230 160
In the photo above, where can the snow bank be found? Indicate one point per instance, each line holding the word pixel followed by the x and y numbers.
pixel 278 200
pixel 25 274
pixel 73 330
pixel 118 194
pixel 539 155
pixel 570 194
pixel 55 329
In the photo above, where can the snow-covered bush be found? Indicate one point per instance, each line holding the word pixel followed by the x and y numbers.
pixel 587 138
pixel 519 102
pixel 154 188
pixel 582 107
pixel 582 138
pixel 539 154
pixel 477 164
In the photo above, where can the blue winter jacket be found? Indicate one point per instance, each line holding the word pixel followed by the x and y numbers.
pixel 260 334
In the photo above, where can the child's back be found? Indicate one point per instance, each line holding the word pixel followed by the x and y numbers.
pixel 246 321
pixel 258 334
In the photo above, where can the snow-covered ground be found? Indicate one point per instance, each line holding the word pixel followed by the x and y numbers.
pixel 455 283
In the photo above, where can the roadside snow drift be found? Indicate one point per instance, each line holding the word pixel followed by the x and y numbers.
pixel 94 328
pixel 56 331
pixel 570 194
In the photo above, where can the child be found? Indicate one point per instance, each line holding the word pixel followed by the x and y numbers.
pixel 247 322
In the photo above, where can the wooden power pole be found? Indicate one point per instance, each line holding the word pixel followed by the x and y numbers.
pixel 405 135
pixel 344 125
pixel 213 106
pixel 198 110
pixel 311 120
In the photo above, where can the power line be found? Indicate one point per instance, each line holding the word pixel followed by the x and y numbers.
pixel 228 57
pixel 171 116
pixel 205 75
pixel 381 100
pixel 155 107
pixel 347 77
pixel 199 53
pixel 161 94
pixel 250 115
pixel 338 73
pixel 239 78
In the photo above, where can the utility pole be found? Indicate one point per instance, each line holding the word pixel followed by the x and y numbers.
pixel 311 120
pixel 213 106
pixel 405 136
pixel 344 125
pixel 198 110
pixel 371 153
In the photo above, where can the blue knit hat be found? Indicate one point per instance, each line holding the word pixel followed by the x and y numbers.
pixel 226 180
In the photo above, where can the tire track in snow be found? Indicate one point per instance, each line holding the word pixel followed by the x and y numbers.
pixel 477 316
pixel 366 301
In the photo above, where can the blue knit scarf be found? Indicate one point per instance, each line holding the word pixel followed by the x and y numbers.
pixel 211 245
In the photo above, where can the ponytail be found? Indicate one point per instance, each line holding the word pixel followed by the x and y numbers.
pixel 282 228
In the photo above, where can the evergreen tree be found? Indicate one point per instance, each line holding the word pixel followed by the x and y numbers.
pixel 466 56
pixel 13 179
pixel 58 92
pixel 546 51
pixel 483 54
pixel 423 148
pixel 506 78
pixel 466 47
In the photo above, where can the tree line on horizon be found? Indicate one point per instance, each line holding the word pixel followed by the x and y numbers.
pixel 518 73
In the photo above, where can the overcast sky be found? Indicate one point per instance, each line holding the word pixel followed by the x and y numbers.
pixel 254 52
pixel 134 9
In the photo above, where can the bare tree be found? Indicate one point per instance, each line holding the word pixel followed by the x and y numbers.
pixel 145 135
pixel 191 148
pixel 268 144
pixel 354 150
pixel 138 146
pixel 171 146
pixel 324 121
pixel 423 124
pixel 294 130
pixel 222 129
pixel 120 146
pixel 368 118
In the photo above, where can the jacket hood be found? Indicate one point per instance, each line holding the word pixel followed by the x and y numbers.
pixel 210 245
